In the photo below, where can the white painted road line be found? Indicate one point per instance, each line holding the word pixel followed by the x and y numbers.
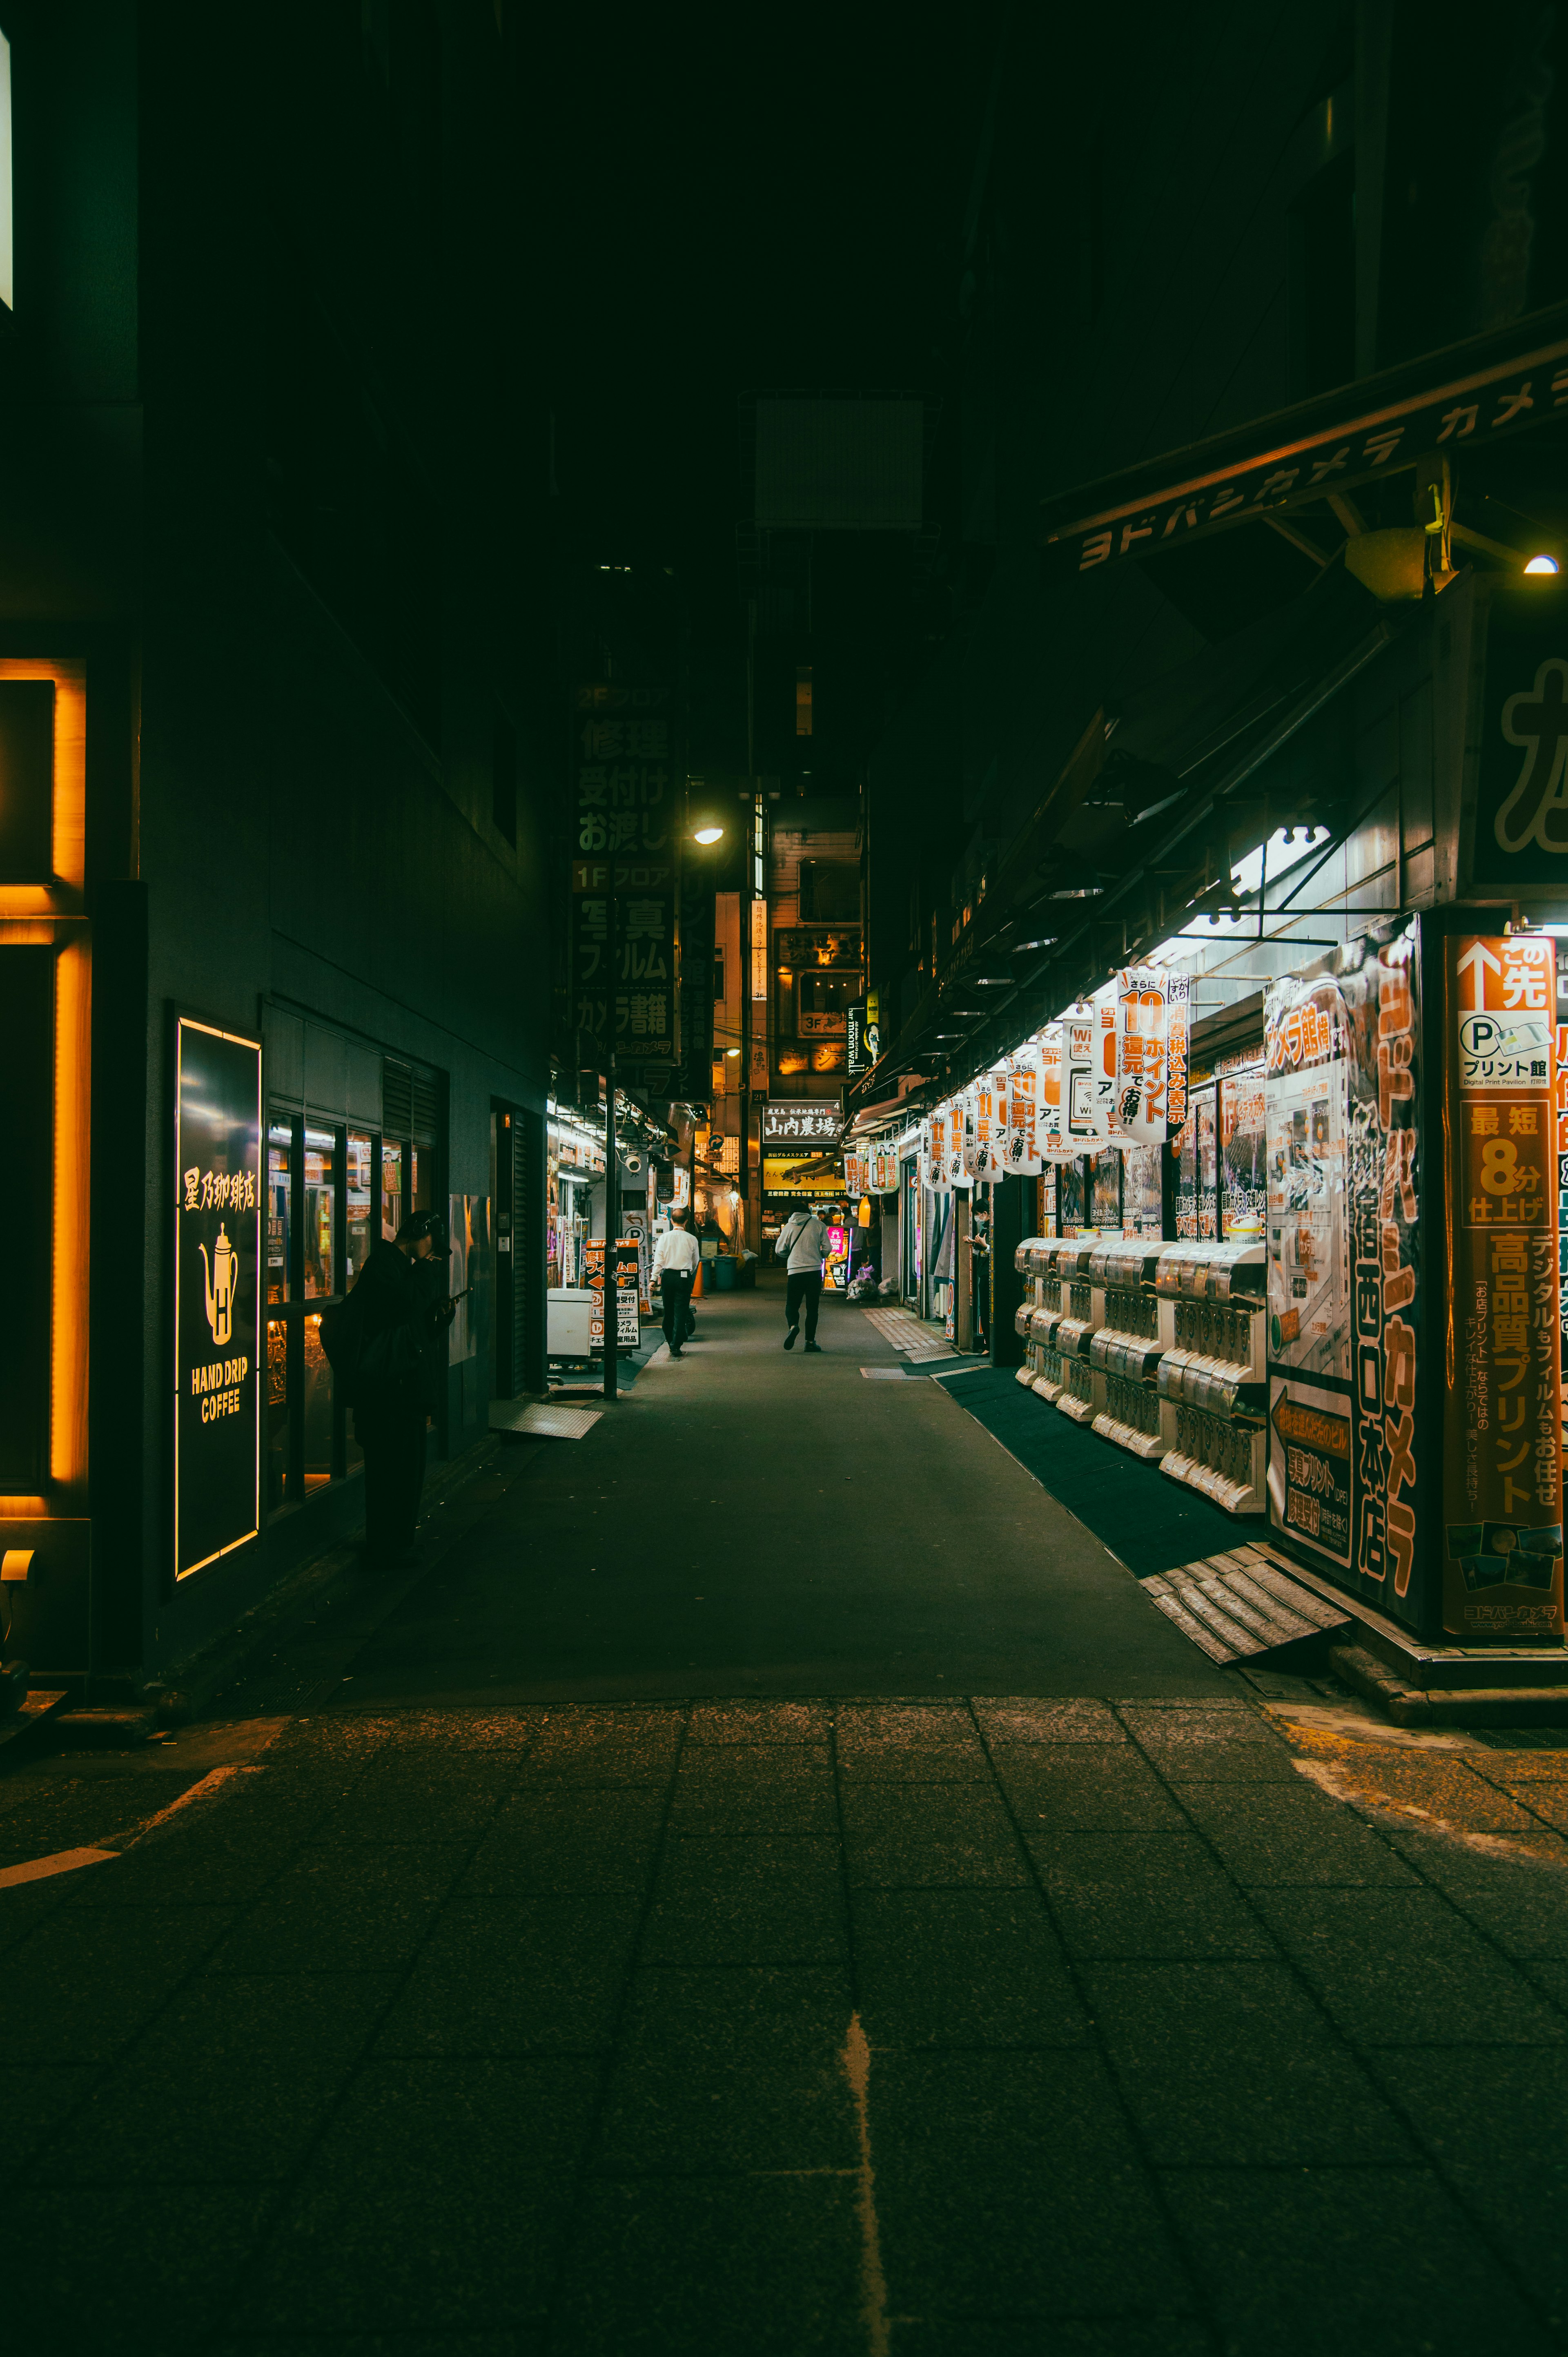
pixel 64 1861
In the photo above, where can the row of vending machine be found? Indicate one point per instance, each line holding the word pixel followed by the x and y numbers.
pixel 1161 1348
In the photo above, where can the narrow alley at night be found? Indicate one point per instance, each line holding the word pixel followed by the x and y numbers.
pixel 784 1035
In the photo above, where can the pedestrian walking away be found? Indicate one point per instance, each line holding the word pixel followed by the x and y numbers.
pixel 386 1344
pixel 676 1259
pixel 801 1246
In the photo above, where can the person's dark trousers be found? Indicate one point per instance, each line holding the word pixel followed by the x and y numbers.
pixel 393 1443
pixel 805 1285
pixel 678 1318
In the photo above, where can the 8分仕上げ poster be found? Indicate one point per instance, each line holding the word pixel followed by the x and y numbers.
pixel 1503 1505
pixel 1342 1112
pixel 218 1245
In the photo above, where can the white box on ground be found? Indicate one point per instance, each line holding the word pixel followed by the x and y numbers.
pixel 566 1321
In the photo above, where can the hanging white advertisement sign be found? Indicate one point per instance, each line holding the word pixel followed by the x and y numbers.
pixel 1079 1031
pixel 1140 1012
pixel 1023 1152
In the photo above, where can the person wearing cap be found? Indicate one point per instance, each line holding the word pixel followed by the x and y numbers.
pixel 401 1317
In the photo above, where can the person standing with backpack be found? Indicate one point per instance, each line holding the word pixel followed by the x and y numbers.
pixel 383 1348
pixel 801 1246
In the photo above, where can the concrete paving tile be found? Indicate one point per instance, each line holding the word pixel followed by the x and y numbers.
pixel 908 1742
pixel 347 1908
pixel 243 2119
pixel 1493 2126
pixel 1009 2183
pixel 171 1872
pixel 319 2018
pixel 1063 1784
pixel 716 1767
pixel 1279 1834
pixel 516 1977
pixel 1020 1720
pixel 377 2344
pixel 1233 2064
pixel 1247 1762
pixel 1074 2336
pixel 961 1968
pixel 1441 1784
pixel 1297 2261
pixel 1443 1999
pixel 1545 1800
pixel 135 2273
pixel 441 2251
pixel 761 1900
pixel 756 1808
pixel 1143 1895
pixel 719 2073
pixel 34 2099
pixel 766 2264
pixel 604 1747
pixel 1522 1903
pixel 569 1841
pixel 467 2119
pixel 905 1836
pixel 770 1723
pixel 504 1731
pixel 1551 1978
pixel 27 1905
pixel 83 1986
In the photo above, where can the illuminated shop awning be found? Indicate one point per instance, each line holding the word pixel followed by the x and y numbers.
pixel 1446 404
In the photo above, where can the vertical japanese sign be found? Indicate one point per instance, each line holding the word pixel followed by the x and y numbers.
pixel 1206 1145
pixel 1178 1043
pixel 1079 1038
pixel 1503 1507
pixel 1141 1016
pixel 627 1278
pixel 217 1259
pixel 1022 1112
pixel 1343 1210
pixel 624 842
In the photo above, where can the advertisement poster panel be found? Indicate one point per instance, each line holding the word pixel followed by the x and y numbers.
pixel 1142 1207
pixel 626 1293
pixel 218 1248
pixel 1105 1191
pixel 1206 1159
pixel 1071 1197
pixel 1243 1149
pixel 1023 1111
pixel 1079 1037
pixel 1046 1200
pixel 1141 1011
pixel 1502 1495
pixel 1343 1114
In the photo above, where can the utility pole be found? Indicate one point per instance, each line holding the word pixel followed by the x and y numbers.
pixel 612 1166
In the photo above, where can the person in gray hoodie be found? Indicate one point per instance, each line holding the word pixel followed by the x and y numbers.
pixel 801 1246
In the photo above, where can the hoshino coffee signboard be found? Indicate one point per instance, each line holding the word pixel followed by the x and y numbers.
pixel 217 1216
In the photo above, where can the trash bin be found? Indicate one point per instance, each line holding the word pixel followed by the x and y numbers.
pixel 722 1273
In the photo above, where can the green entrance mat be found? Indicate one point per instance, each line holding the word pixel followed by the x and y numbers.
pixel 1153 1524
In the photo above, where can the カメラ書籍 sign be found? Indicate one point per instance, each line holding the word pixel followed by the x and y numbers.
pixel 217 1259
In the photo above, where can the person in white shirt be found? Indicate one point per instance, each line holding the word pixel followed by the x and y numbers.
pixel 801 1246
pixel 676 1259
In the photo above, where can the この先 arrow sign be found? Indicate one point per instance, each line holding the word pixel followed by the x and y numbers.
pixel 1478 957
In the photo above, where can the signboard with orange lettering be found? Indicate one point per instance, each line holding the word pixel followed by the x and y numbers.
pixel 1343 1113
pixel 1502 1509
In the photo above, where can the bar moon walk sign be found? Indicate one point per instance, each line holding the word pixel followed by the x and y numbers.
pixel 217 1216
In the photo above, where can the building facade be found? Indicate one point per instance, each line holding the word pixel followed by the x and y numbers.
pixel 275 947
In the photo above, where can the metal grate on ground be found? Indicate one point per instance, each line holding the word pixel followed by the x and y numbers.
pixel 542 1422
pixel 1240 1603
pixel 905 1333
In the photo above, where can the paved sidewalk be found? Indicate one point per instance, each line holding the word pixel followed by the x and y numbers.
pixel 788 2027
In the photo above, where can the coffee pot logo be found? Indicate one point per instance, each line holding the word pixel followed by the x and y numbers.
pixel 223 1276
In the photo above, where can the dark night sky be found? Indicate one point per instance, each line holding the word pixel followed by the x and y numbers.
pixel 730 201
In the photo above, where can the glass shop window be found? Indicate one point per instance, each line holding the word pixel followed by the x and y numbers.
pixel 321 1214
pixel 280 1176
pixel 829 993
pixel 318 1420
pixel 277 1434
pixel 392 1189
pixel 361 1159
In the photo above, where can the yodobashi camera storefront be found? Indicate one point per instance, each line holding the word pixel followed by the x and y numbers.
pixel 217 1278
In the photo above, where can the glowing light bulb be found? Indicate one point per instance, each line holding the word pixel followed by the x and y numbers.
pixel 1543 565
pixel 712 834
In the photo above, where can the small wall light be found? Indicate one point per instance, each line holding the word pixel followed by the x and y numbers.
pixel 712 834
pixel 1543 565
